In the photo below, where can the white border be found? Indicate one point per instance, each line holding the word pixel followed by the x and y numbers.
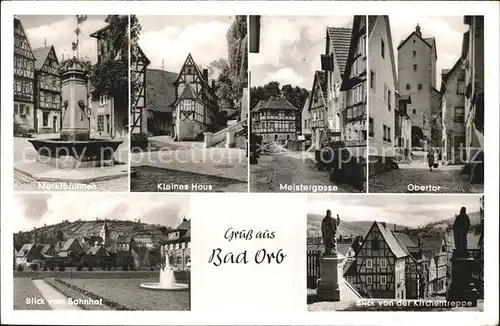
pixel 489 9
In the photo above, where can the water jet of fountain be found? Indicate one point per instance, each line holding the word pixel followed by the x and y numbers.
pixel 167 276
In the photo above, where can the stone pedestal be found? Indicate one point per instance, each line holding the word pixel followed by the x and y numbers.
pixel 75 125
pixel 208 139
pixel 462 288
pixel 330 273
pixel 230 139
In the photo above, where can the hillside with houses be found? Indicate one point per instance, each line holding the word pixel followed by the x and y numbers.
pixel 108 244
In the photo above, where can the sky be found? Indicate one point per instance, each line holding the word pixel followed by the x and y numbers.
pixel 447 30
pixel 59 31
pixel 171 38
pixel 290 48
pixel 408 210
pixel 35 210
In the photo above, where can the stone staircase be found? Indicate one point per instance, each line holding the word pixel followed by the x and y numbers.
pixel 219 139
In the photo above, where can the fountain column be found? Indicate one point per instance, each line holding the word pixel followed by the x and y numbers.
pixel 75 124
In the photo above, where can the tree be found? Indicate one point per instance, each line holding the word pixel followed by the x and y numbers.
pixel 135 82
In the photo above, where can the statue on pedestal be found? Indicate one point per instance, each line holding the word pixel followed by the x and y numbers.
pixel 328 232
pixel 460 229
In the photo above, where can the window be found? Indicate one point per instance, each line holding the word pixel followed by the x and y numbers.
pixel 103 99
pixel 389 99
pixel 414 54
pixel 414 67
pixel 383 279
pixel 389 135
pixel 458 115
pixel 382 48
pixel 461 87
pixel 414 111
pixel 385 92
pixel 369 280
pixel 45 119
pixel 27 110
pixel 369 263
pixel 21 109
pixel 375 245
pixel 100 123
pixel 419 87
pixel 370 127
pixel 383 263
pixel 16 109
pixel 349 279
pixel 408 87
pixel 385 133
pixel 372 79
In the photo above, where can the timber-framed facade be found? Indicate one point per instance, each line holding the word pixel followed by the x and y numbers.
pixel 195 108
pixel 47 90
pixel 138 107
pixel 24 78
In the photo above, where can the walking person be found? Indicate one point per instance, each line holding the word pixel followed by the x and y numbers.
pixel 430 159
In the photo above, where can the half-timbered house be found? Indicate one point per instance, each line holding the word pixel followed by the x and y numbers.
pixel 333 63
pixel 318 110
pixel 275 119
pixel 195 106
pixel 159 102
pixel 24 78
pixel 110 115
pixel 47 90
pixel 379 270
pixel 353 112
pixel 139 74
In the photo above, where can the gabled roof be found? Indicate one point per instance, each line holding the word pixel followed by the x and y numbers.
pixel 432 244
pixel 94 250
pixel 68 243
pixel 447 73
pixel 41 55
pixel 306 104
pixel 275 103
pixel 188 93
pixel 259 105
pixel 123 239
pixel 185 225
pixel 356 28
pixel 160 89
pixel 374 20
pixel 340 40
pixel 392 242
pixel 320 79
pixel 46 248
pixel 18 22
pixel 25 249
pixel 404 239
pixel 429 41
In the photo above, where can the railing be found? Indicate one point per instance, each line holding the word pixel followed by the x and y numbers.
pixel 220 136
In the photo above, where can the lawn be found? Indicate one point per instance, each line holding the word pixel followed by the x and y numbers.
pixel 25 288
pixel 127 292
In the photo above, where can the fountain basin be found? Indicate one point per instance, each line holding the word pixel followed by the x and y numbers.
pixel 72 154
pixel 171 287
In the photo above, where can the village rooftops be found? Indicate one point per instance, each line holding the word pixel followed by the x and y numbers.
pixel 275 103
pixel 340 40
pixel 397 248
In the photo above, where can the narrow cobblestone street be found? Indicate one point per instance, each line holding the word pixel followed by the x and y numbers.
pixel 290 168
pixel 404 180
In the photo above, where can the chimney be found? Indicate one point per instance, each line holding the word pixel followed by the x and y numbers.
pixel 418 31
pixel 383 224
pixel 205 74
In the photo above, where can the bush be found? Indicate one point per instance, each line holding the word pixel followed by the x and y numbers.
pixel 79 268
pixel 34 267
pixel 91 268
pixel 125 267
pixel 53 267
pixel 44 268
pixel 62 268
pixel 20 268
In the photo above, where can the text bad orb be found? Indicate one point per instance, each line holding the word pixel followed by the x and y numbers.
pixel 262 256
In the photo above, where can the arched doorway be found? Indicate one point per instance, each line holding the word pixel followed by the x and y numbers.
pixel 416 136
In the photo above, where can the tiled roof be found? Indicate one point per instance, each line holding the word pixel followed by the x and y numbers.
pixel 343 248
pixel 433 244
pixel 160 89
pixel 25 249
pixel 259 105
pixel 68 244
pixel 396 247
pixel 306 104
pixel 340 40
pixel 404 239
pixel 279 103
pixel 185 225
pixel 93 250
pixel 123 239
pixel 46 248
pixel 40 56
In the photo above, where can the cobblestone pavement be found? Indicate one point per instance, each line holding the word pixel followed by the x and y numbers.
pixel 448 178
pixel 25 183
pixel 292 168
pixel 149 178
